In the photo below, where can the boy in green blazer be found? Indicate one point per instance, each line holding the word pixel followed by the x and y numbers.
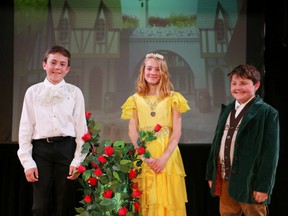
pixel 242 164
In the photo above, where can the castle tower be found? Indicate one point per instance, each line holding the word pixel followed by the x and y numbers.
pixel 143 15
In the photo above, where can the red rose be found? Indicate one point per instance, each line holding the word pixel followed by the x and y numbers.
pixel 102 159
pixel 81 169
pixel 86 137
pixel 134 185
pixel 122 211
pixel 136 206
pixel 132 174
pixel 94 150
pixel 141 150
pixel 157 128
pixel 136 193
pixel 94 165
pixel 98 172
pixel 92 181
pixel 109 150
pixel 107 193
pixel 88 115
pixel 88 198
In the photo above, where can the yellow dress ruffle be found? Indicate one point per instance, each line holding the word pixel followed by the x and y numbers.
pixel 163 194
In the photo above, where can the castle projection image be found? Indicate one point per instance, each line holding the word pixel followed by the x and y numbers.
pixel 201 41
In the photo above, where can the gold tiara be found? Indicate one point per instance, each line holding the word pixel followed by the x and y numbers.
pixel 155 55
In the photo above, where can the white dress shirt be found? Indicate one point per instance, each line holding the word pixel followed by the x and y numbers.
pixel 51 110
pixel 239 107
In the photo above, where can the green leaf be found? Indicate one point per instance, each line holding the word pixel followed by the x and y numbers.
pixel 97 126
pixel 107 202
pixel 86 175
pixel 117 196
pixel 80 210
pixel 123 162
pixel 115 174
pixel 108 205
pixel 142 134
pixel 109 173
pixel 119 144
pixel 107 142
pixel 115 184
pixel 149 139
pixel 88 190
pixel 104 180
pixel 147 154
pixel 125 168
pixel 88 160
pixel 86 147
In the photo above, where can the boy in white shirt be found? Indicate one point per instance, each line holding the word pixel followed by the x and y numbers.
pixel 50 135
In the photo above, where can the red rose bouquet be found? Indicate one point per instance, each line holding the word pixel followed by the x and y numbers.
pixel 107 175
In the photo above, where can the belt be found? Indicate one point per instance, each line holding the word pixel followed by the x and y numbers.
pixel 57 139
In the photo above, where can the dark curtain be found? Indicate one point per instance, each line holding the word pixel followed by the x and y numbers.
pixel 6 69
pixel 276 57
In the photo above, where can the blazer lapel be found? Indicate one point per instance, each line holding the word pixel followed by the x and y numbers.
pixel 251 112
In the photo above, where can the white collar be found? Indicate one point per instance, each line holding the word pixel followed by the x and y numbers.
pixel 238 105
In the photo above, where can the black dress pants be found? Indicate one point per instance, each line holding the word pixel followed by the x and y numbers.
pixel 53 193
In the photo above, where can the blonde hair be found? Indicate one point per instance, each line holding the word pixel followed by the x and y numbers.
pixel 164 87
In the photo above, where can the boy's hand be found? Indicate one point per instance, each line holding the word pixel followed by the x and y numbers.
pixel 32 175
pixel 72 173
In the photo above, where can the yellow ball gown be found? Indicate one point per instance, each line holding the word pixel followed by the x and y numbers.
pixel 163 194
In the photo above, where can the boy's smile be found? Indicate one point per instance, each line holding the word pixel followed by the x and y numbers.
pixel 56 67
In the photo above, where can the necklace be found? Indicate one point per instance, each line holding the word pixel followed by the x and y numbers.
pixel 152 106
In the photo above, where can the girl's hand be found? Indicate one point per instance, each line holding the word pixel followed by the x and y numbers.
pixel 159 164
pixel 149 161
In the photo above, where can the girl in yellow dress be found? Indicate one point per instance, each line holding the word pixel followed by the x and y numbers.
pixel 162 179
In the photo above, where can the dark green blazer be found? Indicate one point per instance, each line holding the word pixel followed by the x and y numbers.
pixel 256 152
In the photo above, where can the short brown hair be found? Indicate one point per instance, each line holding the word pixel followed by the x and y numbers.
pixel 246 71
pixel 57 49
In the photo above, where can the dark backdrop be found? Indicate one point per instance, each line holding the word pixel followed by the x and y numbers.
pixel 270 51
